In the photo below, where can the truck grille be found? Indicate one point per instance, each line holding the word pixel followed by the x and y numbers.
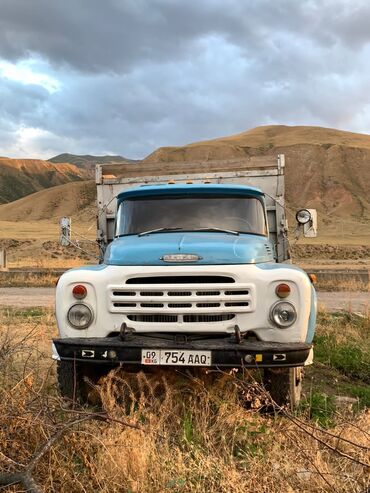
pixel 181 299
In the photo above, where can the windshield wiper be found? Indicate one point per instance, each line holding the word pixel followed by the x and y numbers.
pixel 158 230
pixel 221 230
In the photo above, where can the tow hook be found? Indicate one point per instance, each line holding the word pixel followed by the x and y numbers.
pixel 238 334
pixel 180 339
pixel 124 331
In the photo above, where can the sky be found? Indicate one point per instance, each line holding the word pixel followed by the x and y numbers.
pixel 128 76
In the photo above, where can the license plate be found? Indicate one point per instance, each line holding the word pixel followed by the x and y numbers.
pixel 175 357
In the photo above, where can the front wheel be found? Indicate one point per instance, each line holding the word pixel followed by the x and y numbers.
pixel 73 380
pixel 284 386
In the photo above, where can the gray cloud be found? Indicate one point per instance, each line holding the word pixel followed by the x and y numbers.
pixel 136 74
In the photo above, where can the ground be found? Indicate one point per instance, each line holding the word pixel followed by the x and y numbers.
pixel 179 434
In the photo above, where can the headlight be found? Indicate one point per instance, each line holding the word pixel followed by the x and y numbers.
pixel 80 316
pixel 283 314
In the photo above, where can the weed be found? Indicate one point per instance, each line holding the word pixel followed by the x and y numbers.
pixel 30 312
pixel 320 408
pixel 362 392
pixel 188 427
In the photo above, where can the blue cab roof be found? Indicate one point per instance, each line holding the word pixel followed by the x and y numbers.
pixel 188 189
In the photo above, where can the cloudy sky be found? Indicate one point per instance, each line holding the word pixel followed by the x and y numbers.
pixel 127 76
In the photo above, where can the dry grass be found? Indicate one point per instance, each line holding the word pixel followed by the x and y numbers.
pixel 42 230
pixel 46 263
pixel 350 285
pixel 161 433
pixel 27 280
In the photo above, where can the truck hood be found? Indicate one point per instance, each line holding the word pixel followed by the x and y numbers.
pixel 212 248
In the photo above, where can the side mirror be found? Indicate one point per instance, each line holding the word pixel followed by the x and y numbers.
pixel 306 222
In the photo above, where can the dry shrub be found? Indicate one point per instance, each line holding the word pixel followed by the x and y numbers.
pixel 198 438
pixel 163 431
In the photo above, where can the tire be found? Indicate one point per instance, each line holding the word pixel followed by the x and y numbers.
pixel 73 380
pixel 284 386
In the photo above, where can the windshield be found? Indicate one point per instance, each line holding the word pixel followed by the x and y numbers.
pixel 237 214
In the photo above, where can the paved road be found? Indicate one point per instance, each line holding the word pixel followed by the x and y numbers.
pixel 352 301
pixel 26 297
pixel 331 301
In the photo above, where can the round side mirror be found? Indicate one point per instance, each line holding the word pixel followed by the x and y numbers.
pixel 303 216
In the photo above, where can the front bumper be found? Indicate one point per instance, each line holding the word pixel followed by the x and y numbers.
pixel 226 352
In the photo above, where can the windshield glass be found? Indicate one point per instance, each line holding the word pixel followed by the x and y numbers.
pixel 241 214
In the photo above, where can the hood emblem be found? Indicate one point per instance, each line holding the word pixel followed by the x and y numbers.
pixel 180 257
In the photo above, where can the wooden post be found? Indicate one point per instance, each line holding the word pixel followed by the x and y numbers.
pixel 3 266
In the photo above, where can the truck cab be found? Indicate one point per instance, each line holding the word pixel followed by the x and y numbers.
pixel 194 272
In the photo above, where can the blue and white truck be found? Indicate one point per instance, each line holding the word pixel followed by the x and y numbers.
pixel 194 272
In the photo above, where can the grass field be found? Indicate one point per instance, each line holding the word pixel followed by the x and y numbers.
pixel 175 434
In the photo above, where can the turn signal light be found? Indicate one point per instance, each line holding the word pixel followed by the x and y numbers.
pixel 282 290
pixel 313 278
pixel 79 292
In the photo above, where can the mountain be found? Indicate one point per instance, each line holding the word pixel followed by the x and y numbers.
pixel 20 177
pixel 88 162
pixel 326 169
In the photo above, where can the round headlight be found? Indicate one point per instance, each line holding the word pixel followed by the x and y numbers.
pixel 303 216
pixel 80 316
pixel 283 314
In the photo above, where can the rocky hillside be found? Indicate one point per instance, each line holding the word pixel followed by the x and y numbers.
pixel 20 177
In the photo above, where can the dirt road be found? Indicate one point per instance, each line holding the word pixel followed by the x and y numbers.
pixel 44 297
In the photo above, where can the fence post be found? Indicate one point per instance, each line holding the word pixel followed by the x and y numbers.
pixel 3 266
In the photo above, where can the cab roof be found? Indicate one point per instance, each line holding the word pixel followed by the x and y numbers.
pixel 185 189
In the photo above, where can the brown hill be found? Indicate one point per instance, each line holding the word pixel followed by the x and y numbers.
pixel 325 168
pixel 263 139
pixel 20 177
pixel 75 199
